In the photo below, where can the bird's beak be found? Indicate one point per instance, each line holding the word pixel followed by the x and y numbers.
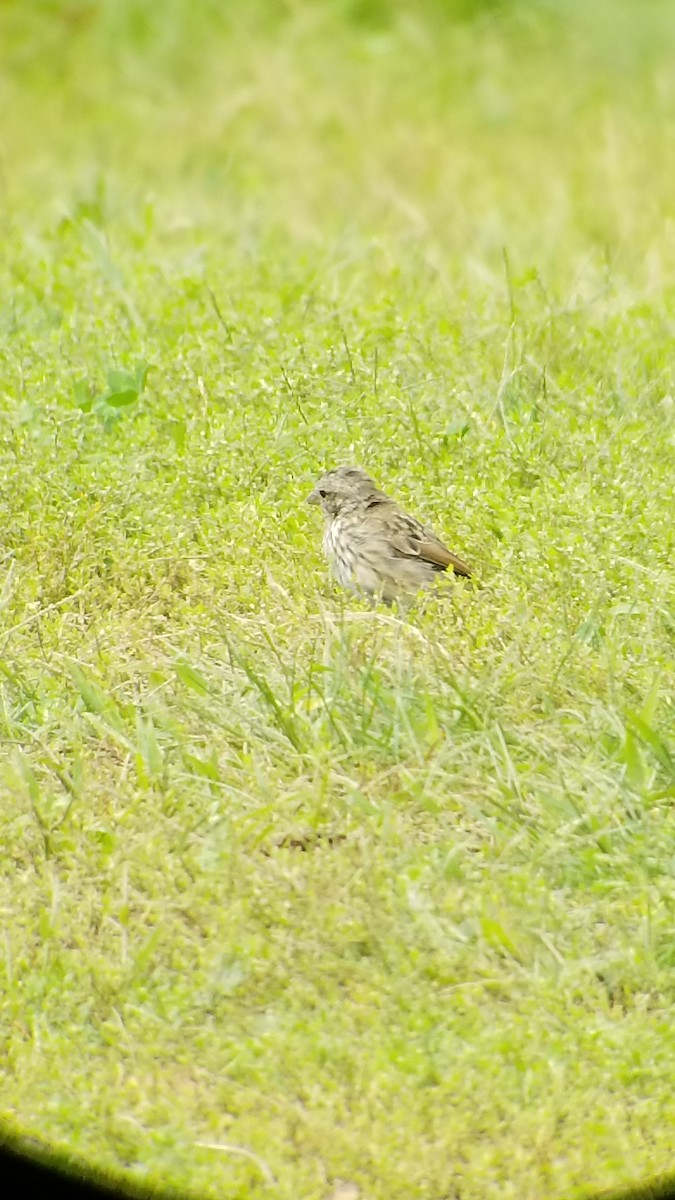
pixel 314 497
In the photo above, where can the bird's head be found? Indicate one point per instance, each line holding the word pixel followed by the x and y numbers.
pixel 340 486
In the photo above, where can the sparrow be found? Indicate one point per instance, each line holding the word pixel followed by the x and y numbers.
pixel 374 548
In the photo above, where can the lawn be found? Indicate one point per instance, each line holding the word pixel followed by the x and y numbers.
pixel 300 897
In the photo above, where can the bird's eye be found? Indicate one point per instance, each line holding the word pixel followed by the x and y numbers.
pixel 322 493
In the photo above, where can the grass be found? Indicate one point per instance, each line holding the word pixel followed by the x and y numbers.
pixel 296 891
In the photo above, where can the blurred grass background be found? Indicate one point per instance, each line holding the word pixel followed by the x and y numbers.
pixel 343 895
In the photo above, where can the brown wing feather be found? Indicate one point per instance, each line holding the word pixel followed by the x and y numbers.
pixel 435 552
pixel 417 542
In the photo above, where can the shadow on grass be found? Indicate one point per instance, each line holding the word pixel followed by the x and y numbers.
pixel 32 1167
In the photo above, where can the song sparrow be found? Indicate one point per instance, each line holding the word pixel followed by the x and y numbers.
pixel 374 547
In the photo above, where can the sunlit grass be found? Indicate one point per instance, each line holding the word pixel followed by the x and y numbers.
pixel 348 893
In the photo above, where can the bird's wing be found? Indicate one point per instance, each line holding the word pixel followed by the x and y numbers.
pixel 413 540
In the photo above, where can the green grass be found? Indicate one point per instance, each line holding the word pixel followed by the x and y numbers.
pixel 349 893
